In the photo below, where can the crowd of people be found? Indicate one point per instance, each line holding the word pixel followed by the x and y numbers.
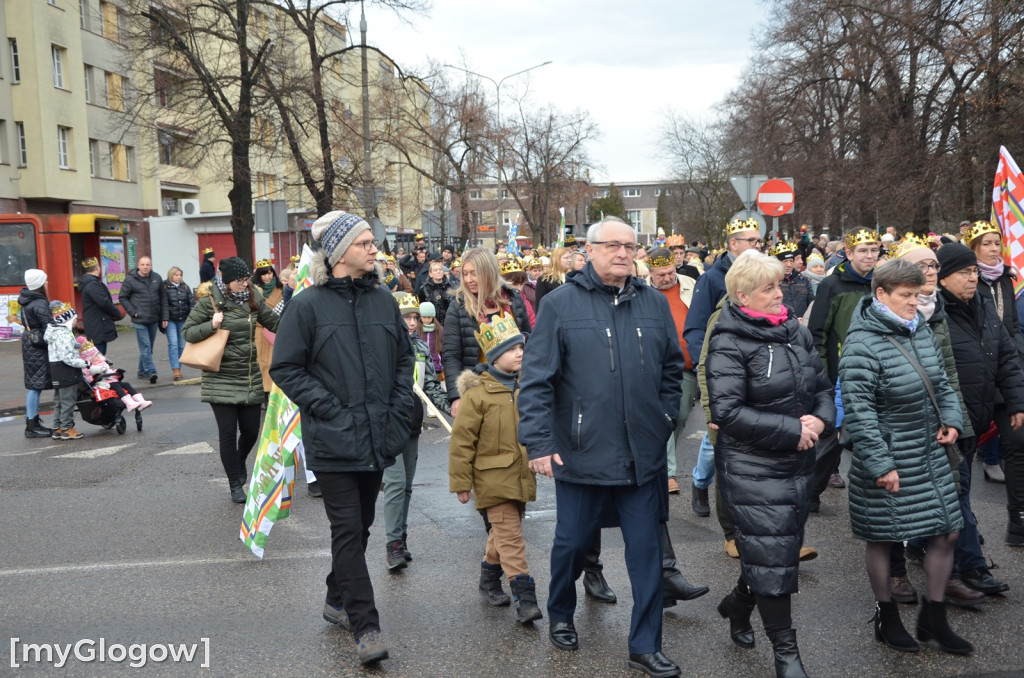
pixel 583 364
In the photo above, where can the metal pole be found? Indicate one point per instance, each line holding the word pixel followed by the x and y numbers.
pixel 367 173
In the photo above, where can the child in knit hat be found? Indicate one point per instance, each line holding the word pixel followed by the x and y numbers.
pixel 432 333
pixel 101 375
pixel 486 459
pixel 65 364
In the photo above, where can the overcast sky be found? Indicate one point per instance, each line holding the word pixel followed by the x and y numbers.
pixel 624 62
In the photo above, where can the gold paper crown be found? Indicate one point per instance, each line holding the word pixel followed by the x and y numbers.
pixel 909 243
pixel 783 248
pixel 264 263
pixel 86 346
pixel 511 265
pixel 569 240
pixel 739 225
pixel 90 263
pixel 530 262
pixel 456 264
pixel 208 250
pixel 407 303
pixel 978 229
pixel 862 236
pixel 294 259
pixel 60 309
pixel 675 241
pixel 659 258
pixel 501 328
pixel 419 236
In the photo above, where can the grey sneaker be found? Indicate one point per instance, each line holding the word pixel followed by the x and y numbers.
pixel 370 648
pixel 336 616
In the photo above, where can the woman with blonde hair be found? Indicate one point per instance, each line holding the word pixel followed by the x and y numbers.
pixel 179 305
pixel 560 264
pixel 481 294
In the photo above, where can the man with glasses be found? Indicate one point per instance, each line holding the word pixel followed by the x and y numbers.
pixel 599 396
pixel 741 235
pixel 344 357
pixel 677 245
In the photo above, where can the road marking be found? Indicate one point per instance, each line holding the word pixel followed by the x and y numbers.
pixel 22 454
pixel 194 448
pixel 697 435
pixel 244 557
pixel 92 454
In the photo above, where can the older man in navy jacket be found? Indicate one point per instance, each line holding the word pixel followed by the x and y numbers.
pixel 599 395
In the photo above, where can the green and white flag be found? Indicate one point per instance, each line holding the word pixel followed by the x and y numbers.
pixel 561 229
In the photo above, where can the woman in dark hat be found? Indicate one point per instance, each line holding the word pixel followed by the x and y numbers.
pixel 235 392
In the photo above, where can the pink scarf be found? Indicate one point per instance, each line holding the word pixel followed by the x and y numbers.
pixel 777 319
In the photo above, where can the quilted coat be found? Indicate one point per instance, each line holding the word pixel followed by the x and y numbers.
pixel 239 381
pixel 484 454
pixel 761 378
pixel 98 310
pixel 892 425
pixel 36 361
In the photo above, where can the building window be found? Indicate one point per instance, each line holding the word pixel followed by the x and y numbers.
pixel 111 21
pixel 667 192
pixel 120 162
pixel 22 145
pixel 262 131
pixel 3 142
pixel 52 3
pixel 657 193
pixel 631 193
pixel 266 186
pixel 64 147
pixel 601 194
pixel 15 61
pixel 88 84
pixel 474 194
pixel 115 92
pixel 57 56
pixel 94 151
pixel 506 218
pixel 83 11
pixel 474 219
pixel 504 193
pixel 634 217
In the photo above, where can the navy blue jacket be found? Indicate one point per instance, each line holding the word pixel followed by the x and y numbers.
pixel 601 381
pixel 709 291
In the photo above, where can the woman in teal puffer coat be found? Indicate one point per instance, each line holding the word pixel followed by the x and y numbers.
pixel 901 484
pixel 236 391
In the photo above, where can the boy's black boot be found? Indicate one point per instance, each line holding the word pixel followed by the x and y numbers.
pixel 524 593
pixel 490 584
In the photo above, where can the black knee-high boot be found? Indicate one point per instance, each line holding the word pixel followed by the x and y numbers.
pixel 593 578
pixel 673 582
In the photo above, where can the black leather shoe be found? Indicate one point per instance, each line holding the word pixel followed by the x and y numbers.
pixel 563 636
pixel 676 587
pixel 597 587
pixel 982 580
pixel 654 664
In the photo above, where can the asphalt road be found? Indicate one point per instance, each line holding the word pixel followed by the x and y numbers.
pixel 134 540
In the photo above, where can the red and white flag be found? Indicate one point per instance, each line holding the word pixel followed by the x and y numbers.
pixel 1007 198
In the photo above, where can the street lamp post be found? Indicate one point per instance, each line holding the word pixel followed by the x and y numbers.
pixel 497 95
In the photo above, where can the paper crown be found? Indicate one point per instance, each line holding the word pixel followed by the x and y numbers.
pixel 511 265
pixel 208 250
pixel 91 262
pixel 86 346
pixel 62 311
pixel 493 334
pixel 660 257
pixel 862 236
pixel 530 262
pixel 264 263
pixel 419 236
pixel 909 243
pixel 675 241
pixel 456 264
pixel 740 225
pixel 785 248
pixel 978 229
pixel 406 302
pixel 294 259
pixel 569 240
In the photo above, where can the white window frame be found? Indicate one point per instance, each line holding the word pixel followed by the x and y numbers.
pixel 63 147
pixel 94 149
pixel 22 145
pixel 83 11
pixel 57 58
pixel 88 71
pixel 474 194
pixel 3 142
pixel 657 193
pixel 639 220
pixel 504 194
pixel 631 193
pixel 12 43
pixel 53 3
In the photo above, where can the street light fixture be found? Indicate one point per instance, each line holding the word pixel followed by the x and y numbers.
pixel 497 95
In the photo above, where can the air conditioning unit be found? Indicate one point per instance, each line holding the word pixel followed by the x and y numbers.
pixel 189 208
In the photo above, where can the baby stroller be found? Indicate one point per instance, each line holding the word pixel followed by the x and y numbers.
pixel 102 407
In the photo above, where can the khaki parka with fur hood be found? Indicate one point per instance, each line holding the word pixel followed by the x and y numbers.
pixel 484 454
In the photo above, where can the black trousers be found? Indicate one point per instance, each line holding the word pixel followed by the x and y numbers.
pixel 828 453
pixel 238 427
pixel 349 500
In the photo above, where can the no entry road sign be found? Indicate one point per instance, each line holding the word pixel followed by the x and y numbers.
pixel 775 197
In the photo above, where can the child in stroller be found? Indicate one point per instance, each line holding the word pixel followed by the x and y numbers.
pixel 101 376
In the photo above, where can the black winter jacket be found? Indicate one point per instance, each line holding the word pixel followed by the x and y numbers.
pixel 35 310
pixel 837 298
pixel 98 310
pixel 986 358
pixel 143 298
pixel 460 350
pixel 709 291
pixel 761 379
pixel 601 381
pixel 207 271
pixel 1003 288
pixel 439 295
pixel 797 293
pixel 180 301
pixel 344 356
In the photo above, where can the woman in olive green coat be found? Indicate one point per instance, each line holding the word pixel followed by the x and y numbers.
pixel 235 392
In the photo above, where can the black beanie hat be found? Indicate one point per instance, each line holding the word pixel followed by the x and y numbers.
pixel 232 269
pixel 954 257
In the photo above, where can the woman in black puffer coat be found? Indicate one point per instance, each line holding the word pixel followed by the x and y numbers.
pixel 481 294
pixel 35 315
pixel 180 300
pixel 770 399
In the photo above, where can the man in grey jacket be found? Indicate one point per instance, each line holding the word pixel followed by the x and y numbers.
pixel 143 300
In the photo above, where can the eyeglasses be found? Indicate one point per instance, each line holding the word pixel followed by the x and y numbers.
pixel 752 241
pixel 369 245
pixel 929 266
pixel 613 246
pixel 968 272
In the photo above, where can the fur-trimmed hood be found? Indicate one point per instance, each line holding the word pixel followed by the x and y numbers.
pixel 467 380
